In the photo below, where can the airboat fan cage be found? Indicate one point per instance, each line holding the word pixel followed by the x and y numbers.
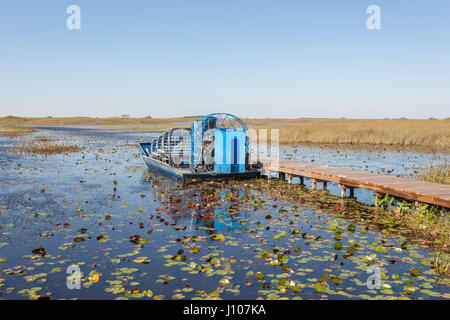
pixel 220 144
pixel 222 121
pixel 226 121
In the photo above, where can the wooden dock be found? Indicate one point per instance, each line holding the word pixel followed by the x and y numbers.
pixel 418 191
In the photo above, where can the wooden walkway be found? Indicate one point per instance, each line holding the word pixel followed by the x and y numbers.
pixel 419 191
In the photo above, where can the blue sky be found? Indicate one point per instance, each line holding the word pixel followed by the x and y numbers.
pixel 254 58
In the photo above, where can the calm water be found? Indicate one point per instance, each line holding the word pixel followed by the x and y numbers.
pixel 146 236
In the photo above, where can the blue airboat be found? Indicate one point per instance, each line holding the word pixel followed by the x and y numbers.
pixel 214 147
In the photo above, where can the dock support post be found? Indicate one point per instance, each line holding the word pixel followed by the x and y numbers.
pixel 324 185
pixel 417 204
pixel 343 190
pixel 378 196
pixel 352 192
pixel 314 183
pixel 302 182
pixel 269 174
pixel 289 176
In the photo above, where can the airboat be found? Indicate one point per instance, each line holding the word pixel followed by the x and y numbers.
pixel 214 147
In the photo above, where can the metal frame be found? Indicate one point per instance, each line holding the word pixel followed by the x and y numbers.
pixel 224 121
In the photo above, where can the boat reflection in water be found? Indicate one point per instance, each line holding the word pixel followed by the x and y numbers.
pixel 210 206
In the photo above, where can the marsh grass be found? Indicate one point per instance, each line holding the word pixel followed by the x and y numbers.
pixel 431 135
pixel 42 139
pixel 434 135
pixel 29 121
pixel 46 148
pixel 431 221
pixel 149 128
pixel 439 174
pixel 441 265
pixel 13 131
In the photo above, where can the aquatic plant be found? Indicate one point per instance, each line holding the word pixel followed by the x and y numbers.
pixel 385 202
pixel 46 148
pixel 442 264
pixel 13 131
pixel 429 224
pixel 438 174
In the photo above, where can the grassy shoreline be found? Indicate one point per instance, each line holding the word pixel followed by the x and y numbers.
pixel 430 135
pixel 12 131
pixel 433 135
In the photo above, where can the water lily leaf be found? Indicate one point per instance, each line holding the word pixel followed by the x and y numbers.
pixel 101 238
pixel 338 235
pixel 381 249
pixel 143 260
pixel 218 237
pixel 319 287
pixel 415 272
pixel 408 289
pixel 430 293
pixel 259 276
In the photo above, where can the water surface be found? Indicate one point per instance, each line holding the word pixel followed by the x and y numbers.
pixel 146 236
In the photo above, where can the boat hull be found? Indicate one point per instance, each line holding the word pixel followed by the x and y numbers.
pixel 186 175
